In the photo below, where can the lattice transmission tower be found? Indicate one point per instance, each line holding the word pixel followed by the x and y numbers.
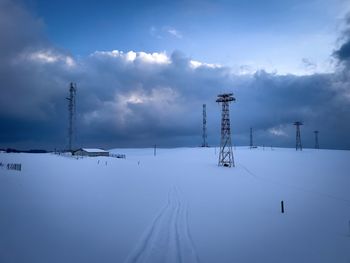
pixel 298 145
pixel 317 146
pixel 71 113
pixel 226 155
pixel 204 135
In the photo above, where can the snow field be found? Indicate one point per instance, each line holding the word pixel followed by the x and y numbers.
pixel 178 206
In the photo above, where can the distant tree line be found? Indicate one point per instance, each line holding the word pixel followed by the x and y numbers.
pixel 11 150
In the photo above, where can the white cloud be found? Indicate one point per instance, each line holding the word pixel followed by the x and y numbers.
pixel 131 56
pixel 174 32
pixel 277 131
pixel 49 57
pixel 134 105
pixel 165 31
pixel 158 58
pixel 196 64
pixel 158 95
pixel 154 32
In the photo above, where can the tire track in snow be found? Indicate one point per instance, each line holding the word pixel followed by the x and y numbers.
pixel 142 247
pixel 190 240
pixel 168 238
pixel 176 232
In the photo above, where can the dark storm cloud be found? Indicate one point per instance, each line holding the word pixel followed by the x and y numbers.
pixel 18 29
pixel 138 99
pixel 343 53
pixel 28 86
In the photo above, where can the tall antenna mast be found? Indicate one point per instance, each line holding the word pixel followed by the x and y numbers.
pixel 298 145
pixel 226 155
pixel 251 138
pixel 317 146
pixel 204 135
pixel 71 113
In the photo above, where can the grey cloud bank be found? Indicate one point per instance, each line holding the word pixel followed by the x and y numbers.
pixel 137 99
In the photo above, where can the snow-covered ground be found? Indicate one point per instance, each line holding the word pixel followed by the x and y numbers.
pixel 178 206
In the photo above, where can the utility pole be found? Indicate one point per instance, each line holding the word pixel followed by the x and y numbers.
pixel 226 155
pixel 317 146
pixel 251 138
pixel 71 113
pixel 298 145
pixel 204 135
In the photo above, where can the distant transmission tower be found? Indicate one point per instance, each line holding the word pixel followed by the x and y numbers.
pixel 71 112
pixel 317 146
pixel 226 155
pixel 298 145
pixel 251 138
pixel 204 135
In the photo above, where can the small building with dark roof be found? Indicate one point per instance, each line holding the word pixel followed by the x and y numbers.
pixel 91 152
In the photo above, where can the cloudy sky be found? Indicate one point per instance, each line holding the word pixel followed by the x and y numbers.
pixel 144 68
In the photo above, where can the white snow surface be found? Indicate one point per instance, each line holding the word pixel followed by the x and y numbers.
pixel 178 206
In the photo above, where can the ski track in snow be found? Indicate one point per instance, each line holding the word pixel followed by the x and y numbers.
pixel 168 238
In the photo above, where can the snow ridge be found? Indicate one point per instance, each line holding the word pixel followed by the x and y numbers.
pixel 168 238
